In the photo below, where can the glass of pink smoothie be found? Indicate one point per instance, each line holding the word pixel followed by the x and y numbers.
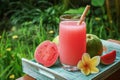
pixel 72 43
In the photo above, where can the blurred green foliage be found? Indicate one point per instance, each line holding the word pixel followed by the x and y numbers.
pixel 97 2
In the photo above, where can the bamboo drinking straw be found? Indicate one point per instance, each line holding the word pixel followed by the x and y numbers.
pixel 84 14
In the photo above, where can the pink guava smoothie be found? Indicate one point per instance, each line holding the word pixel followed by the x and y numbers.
pixel 72 42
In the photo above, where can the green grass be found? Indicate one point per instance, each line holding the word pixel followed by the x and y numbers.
pixel 101 28
pixel 30 28
pixel 22 45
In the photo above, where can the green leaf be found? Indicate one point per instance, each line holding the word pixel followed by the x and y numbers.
pixel 75 11
pixel 97 2
pixel 5 70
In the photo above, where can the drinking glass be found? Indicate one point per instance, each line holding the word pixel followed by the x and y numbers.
pixel 72 43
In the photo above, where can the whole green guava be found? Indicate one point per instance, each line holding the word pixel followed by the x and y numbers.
pixel 94 45
pixel 56 40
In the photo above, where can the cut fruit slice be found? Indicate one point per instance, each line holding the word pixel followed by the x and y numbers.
pixel 108 58
pixel 46 53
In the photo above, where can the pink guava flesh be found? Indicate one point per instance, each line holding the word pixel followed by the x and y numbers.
pixel 46 53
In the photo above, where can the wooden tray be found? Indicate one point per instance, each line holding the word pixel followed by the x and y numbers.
pixel 56 72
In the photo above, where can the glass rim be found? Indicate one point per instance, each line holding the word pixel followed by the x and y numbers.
pixel 70 17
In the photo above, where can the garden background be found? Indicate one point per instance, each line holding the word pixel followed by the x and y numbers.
pixel 26 23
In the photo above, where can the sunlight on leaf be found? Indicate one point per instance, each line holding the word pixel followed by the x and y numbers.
pixel 75 11
pixel 97 2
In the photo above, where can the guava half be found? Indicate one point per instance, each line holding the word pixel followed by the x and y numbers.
pixel 46 53
pixel 108 58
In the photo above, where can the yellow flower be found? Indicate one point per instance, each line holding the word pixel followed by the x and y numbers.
pixel 97 18
pixel 12 76
pixel 13 28
pixel 15 37
pixel 88 65
pixel 8 49
pixel 51 31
